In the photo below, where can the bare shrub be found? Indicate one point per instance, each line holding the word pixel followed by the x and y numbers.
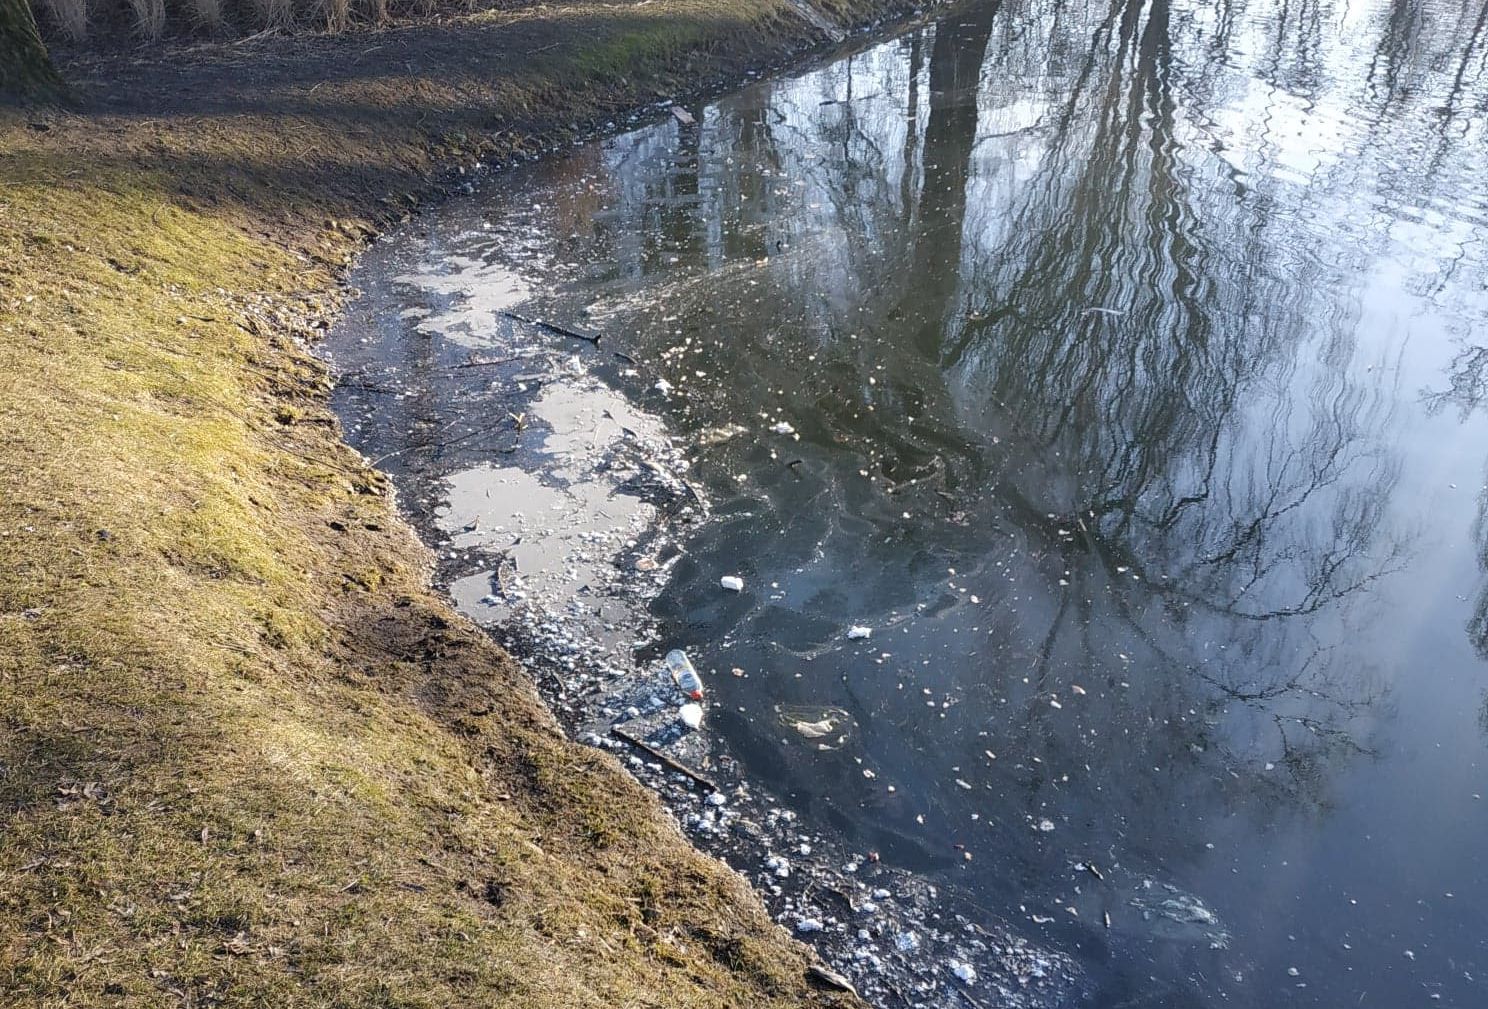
pixel 70 17
pixel 337 14
pixel 208 13
pixel 273 13
pixel 149 17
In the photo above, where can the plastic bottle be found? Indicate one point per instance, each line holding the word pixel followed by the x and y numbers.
pixel 680 666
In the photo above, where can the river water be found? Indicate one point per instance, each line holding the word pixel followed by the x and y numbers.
pixel 1122 366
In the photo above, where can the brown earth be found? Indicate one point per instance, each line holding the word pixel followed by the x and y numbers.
pixel 247 757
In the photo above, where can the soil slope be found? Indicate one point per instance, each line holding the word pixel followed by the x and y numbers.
pixel 246 756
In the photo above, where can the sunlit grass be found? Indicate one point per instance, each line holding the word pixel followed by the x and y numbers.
pixel 213 783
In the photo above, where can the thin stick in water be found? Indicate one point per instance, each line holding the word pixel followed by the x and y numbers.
pixel 669 762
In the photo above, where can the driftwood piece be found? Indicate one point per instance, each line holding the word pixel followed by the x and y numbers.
pixel 828 978
pixel 668 762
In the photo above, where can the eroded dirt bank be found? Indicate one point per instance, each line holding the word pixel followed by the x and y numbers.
pixel 246 755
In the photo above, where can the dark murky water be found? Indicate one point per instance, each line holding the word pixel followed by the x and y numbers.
pixel 1134 356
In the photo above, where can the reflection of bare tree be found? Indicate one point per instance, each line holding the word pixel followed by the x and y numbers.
pixel 1477 626
pixel 1467 382
pixel 1467 391
pixel 1148 411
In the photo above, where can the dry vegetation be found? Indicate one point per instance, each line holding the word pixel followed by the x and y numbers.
pixel 246 757
pixel 77 20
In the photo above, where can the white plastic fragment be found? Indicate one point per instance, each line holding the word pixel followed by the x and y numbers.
pixel 857 632
pixel 782 428
pixel 732 582
pixel 692 716
pixel 965 971
pixel 815 730
pixel 809 925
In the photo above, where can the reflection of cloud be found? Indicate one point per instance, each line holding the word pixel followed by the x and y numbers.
pixel 464 298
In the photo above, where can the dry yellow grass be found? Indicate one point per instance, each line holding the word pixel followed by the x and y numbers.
pixel 77 20
pixel 246 757
pixel 67 18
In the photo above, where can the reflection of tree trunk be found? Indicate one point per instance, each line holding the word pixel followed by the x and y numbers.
pixel 956 59
pixel 911 116
pixel 1396 42
pixel 682 224
pixel 25 68
pixel 756 140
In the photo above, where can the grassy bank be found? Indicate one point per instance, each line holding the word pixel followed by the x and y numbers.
pixel 246 756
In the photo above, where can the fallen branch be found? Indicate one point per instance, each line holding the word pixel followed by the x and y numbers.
pixel 555 328
pixel 960 989
pixel 669 762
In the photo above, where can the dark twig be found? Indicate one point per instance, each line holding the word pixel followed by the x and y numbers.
pixel 555 328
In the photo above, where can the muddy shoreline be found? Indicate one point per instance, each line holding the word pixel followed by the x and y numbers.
pixel 557 501
pixel 555 526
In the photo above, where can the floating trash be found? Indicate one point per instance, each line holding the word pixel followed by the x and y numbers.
pixel 683 674
pixel 820 725
pixel 1172 914
pixel 720 435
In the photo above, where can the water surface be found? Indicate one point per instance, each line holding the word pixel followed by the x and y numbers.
pixel 1132 356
